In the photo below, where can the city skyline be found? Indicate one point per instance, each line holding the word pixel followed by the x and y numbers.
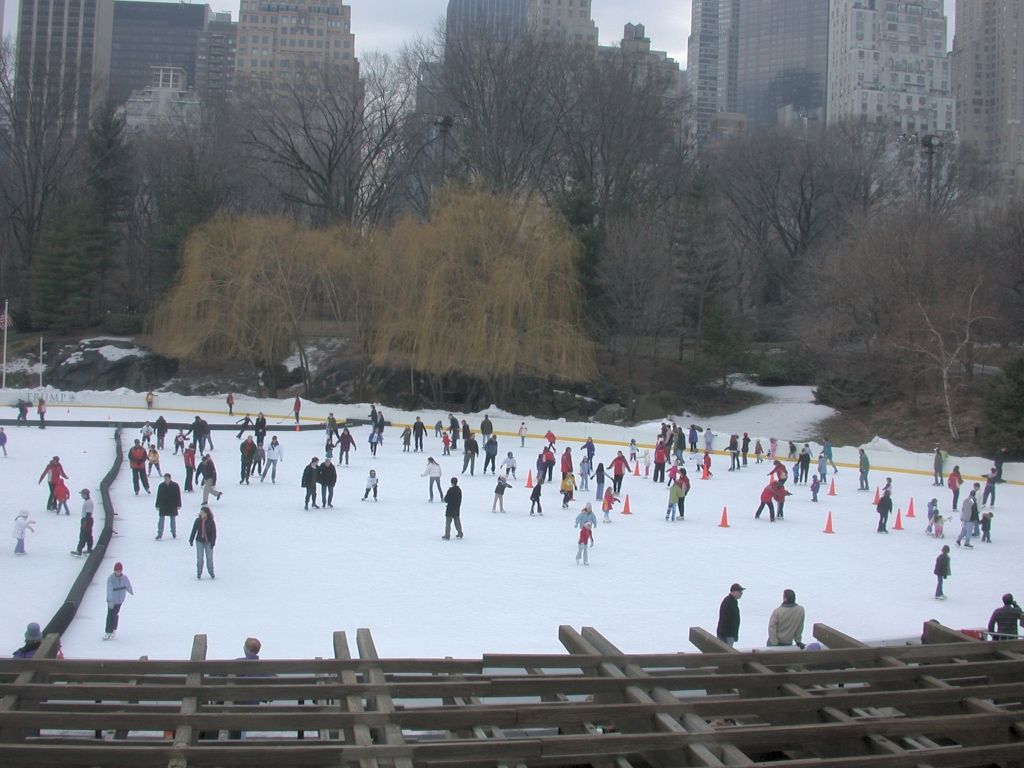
pixel 386 24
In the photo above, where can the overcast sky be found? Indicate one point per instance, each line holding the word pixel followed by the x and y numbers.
pixel 386 24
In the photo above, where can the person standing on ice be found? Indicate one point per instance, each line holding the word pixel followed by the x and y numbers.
pixel 884 509
pixel 453 509
pixel 327 478
pixel 619 467
pixel 208 470
pixel 988 496
pixel 41 410
pixel 161 431
pixel 297 408
pixel 346 443
pixel 52 472
pixel 453 429
pixel 3 442
pixel 85 525
pixel 660 458
pixel 953 482
pixel 608 503
pixel 168 502
pixel 259 428
pixel 709 440
pixel 941 571
pixel 599 482
pixel 204 537
pixel 21 525
pixel 152 460
pixel 590 449
pixel 119 586
pixel 486 428
pixel 822 466
pixel 433 473
pixel 523 432
pixel 586 515
pixel 275 454
pixel 584 484
pixel 745 447
pixel 864 465
pixel 309 478
pixel 734 452
pixel 805 463
pixel 693 438
pixel 728 629
pixel 230 400
pixel 937 463
pixel 566 461
pixel 374 441
pixel 758 451
pixel 968 519
pixel 549 463
pixel 419 429
pixel 470 450
pixel 498 505
pixel 585 541
pixel 371 485
pixel 137 457
pixel 773 449
pixel 508 465
pixel 490 453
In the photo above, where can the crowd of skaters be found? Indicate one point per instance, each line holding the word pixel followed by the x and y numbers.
pixel 667 458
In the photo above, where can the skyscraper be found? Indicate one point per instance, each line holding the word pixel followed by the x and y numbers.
pixel 988 82
pixel 63 59
pixel 147 35
pixel 888 65
pixel 497 19
pixel 711 60
pixel 567 20
pixel 215 58
pixel 283 43
pixel 782 58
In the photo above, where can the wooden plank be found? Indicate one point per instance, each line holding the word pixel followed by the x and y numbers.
pixel 11 701
pixel 382 703
pixel 184 734
pixel 935 633
pixel 358 733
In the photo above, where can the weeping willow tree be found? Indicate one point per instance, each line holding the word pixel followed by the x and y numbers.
pixel 488 287
pixel 245 287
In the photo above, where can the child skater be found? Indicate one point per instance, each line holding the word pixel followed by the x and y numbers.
pixel 508 465
pixel 535 497
pixel 645 457
pixel 938 525
pixel 815 487
pixel 22 524
pixel 586 541
pixel 986 526
pixel 446 441
pixel 933 510
pixel 607 503
pixel 599 481
pixel 499 494
pixel 371 485
pixel 567 487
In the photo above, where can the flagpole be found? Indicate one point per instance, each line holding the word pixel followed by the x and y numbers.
pixel 40 362
pixel 6 323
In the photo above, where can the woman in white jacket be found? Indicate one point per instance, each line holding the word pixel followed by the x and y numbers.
pixel 433 471
pixel 275 453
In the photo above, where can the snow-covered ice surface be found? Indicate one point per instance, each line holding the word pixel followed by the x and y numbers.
pixel 291 577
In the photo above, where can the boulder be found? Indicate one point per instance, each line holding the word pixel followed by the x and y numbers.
pixel 109 364
pixel 613 413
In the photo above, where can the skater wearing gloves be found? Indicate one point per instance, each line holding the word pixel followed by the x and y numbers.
pixel 208 471
pixel 137 456
pixel 941 571
pixel 346 443
pixel 585 541
pixel 452 510
pixel 498 505
pixel 490 453
pixel 51 474
pixel 968 519
pixel 608 503
pixel 619 467
pixel 433 472
pixel 204 537
pixel 85 528
pixel 152 461
pixel 21 525
pixel 567 487
pixel 119 586
pixel 675 495
pixel 371 485
pixel 309 478
pixel 884 509
pixel 586 516
pixel 168 502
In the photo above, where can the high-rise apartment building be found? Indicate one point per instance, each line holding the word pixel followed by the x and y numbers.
pixel 888 65
pixel 782 60
pixel 215 58
pixel 282 43
pixel 711 60
pixel 567 20
pixel 149 34
pixel 63 59
pixel 988 82
pixel 486 19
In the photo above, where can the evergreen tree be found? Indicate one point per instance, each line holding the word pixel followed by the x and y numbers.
pixel 1004 411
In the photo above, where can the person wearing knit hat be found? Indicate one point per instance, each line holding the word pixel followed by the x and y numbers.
pixel 33 639
pixel 119 586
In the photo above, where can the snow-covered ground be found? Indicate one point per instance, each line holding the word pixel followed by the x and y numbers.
pixel 291 577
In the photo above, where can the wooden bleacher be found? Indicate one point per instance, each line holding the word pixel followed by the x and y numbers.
pixel 951 702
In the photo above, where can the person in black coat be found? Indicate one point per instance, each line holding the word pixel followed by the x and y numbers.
pixel 161 431
pixel 310 475
pixel 204 537
pixel 419 429
pixel 453 427
pixel 452 508
pixel 728 630
pixel 884 509
pixel 168 502
pixel 327 477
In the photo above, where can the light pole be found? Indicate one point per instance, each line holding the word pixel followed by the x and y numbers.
pixel 931 144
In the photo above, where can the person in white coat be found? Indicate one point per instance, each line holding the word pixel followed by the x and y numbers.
pixel 275 454
pixel 433 471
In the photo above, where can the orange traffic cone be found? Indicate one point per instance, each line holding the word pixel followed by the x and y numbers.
pixel 832 487
pixel 899 521
pixel 296 427
pixel 625 507
pixel 529 478
pixel 877 495
pixel 828 523
pixel 725 518
pixel 636 469
pixel 910 509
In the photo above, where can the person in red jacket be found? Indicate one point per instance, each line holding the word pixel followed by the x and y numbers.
pixel 137 456
pixel 189 455
pixel 549 463
pixel 52 472
pixel 567 468
pixel 296 407
pixel 230 400
pixel 660 459
pixel 772 492
pixel 550 437
pixel 954 481
pixel 706 464
pixel 619 467
pixel 778 473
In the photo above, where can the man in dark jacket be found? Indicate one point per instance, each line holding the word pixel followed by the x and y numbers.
pixel 452 507
pixel 884 509
pixel 1004 621
pixel 470 450
pixel 453 427
pixel 310 475
pixel 168 502
pixel 486 427
pixel 33 639
pixel 161 431
pixel 419 429
pixel 327 477
pixel 728 630
pixel 248 454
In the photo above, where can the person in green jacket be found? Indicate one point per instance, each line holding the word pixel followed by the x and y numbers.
pixel 865 465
